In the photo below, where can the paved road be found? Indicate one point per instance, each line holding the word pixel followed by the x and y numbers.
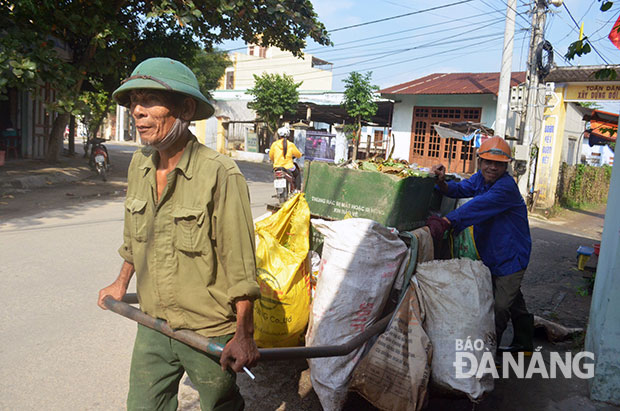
pixel 59 351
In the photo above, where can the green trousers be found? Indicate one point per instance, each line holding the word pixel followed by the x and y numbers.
pixel 157 366
pixel 509 304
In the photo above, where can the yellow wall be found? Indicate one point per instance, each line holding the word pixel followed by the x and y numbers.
pixel 279 62
pixel 550 149
pixel 201 127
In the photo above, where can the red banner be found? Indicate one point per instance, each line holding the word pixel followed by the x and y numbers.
pixel 614 35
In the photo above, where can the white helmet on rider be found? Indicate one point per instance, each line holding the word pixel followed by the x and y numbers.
pixel 283 131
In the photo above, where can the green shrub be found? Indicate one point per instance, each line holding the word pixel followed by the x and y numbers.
pixel 582 185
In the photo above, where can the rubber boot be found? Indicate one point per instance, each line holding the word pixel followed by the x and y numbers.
pixel 523 340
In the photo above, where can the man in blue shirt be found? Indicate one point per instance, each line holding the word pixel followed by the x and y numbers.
pixel 501 232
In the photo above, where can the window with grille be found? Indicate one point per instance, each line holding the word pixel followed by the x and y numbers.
pixel 419 133
pixel 434 143
pixel 446 113
pixel 449 148
pixel 421 112
pixel 471 114
pixel 467 150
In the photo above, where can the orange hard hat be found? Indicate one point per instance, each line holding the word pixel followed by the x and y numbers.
pixel 495 149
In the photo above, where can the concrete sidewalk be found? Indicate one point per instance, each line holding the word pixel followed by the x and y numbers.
pixel 20 173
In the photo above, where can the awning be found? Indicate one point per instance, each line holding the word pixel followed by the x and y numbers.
pixel 336 114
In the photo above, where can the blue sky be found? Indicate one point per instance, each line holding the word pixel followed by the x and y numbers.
pixel 462 38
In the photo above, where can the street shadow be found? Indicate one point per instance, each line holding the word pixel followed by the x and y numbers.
pixel 57 217
pixel 256 172
pixel 589 213
pixel 553 287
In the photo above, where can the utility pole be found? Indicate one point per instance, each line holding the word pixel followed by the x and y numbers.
pixel 532 113
pixel 501 112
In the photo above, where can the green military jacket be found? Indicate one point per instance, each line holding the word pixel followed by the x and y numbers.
pixel 193 251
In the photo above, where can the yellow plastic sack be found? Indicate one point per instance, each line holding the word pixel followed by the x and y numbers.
pixel 281 314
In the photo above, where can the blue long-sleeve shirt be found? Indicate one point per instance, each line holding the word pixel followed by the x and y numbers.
pixel 499 216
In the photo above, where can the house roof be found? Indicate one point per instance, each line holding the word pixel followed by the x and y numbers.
pixel 454 83
pixel 602 116
pixel 577 73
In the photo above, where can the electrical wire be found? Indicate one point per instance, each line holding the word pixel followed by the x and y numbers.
pixel 397 62
pixel 375 56
pixel 259 64
pixel 443 6
pixel 450 21
pixel 577 25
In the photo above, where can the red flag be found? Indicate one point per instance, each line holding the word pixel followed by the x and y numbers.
pixel 614 35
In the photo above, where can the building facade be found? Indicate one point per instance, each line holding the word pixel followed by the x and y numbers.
pixel 443 98
pixel 314 73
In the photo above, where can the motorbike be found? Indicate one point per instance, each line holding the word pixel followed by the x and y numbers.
pixel 99 158
pixel 284 183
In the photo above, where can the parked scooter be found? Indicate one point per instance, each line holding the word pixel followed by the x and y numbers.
pixel 99 158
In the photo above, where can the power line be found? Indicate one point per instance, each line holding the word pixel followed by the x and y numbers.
pixel 450 21
pixel 415 58
pixel 411 37
pixel 393 63
pixel 399 16
pixel 391 53
pixel 440 62
pixel 577 25
pixel 259 64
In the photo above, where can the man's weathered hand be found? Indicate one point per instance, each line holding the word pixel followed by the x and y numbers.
pixel 440 172
pixel 241 351
pixel 118 288
pixel 115 290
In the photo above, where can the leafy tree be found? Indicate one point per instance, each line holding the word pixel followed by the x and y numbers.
pixel 274 96
pixel 359 102
pixel 209 69
pixel 590 104
pixel 581 47
pixel 108 37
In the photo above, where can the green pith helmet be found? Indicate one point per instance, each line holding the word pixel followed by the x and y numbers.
pixel 161 73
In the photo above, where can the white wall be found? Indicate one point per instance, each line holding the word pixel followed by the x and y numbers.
pixel 573 129
pixel 403 113
pixel 596 155
pixel 280 62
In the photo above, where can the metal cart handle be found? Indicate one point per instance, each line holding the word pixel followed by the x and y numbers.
pixel 266 354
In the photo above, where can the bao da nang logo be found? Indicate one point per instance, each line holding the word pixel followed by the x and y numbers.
pixel 474 360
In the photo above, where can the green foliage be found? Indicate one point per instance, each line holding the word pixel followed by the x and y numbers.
pixel 359 96
pixel 209 69
pixel 96 106
pixel 606 5
pixel 274 96
pixel 105 39
pixel 582 185
pixel 611 131
pixel 590 104
pixel 578 48
pixel 581 47
pixel 606 74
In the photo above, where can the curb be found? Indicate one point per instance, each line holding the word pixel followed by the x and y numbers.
pixel 45 179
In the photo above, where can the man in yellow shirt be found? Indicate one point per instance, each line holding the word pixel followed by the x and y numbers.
pixel 282 153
